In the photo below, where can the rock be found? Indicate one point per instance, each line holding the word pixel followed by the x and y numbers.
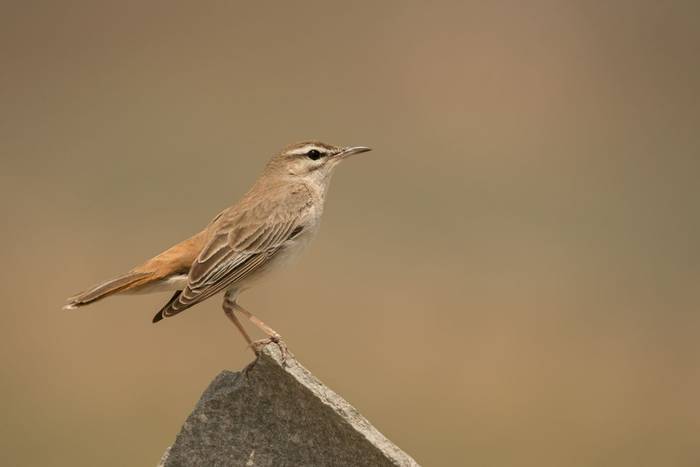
pixel 281 415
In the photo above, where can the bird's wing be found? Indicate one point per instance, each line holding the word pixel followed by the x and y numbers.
pixel 242 240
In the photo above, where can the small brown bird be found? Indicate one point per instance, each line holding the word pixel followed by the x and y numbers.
pixel 272 223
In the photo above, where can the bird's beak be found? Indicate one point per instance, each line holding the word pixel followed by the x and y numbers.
pixel 349 151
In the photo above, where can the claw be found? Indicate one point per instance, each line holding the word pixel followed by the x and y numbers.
pixel 277 340
pixel 249 367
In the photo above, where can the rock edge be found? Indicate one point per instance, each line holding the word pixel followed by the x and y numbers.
pixel 278 414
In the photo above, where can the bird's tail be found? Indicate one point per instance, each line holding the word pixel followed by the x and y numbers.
pixel 106 288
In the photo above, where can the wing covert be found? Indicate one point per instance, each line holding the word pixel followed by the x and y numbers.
pixel 242 242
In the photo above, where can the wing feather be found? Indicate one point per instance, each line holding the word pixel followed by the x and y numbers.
pixel 243 242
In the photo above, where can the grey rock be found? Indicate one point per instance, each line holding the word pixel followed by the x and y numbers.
pixel 276 414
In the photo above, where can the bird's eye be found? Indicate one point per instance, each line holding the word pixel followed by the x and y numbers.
pixel 314 154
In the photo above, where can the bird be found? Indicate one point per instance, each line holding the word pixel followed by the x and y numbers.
pixel 269 226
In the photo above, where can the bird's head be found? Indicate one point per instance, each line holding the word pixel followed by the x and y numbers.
pixel 311 160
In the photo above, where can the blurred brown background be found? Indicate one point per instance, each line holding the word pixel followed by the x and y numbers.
pixel 509 279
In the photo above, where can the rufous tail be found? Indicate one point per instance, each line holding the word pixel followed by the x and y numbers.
pixel 107 288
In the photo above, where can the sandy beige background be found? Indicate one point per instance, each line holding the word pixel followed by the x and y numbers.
pixel 509 279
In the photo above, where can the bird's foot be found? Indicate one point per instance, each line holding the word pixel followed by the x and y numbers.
pixel 275 339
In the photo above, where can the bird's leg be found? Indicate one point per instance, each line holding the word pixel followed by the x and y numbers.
pixel 273 336
pixel 258 322
pixel 229 308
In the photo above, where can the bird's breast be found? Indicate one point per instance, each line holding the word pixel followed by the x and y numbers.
pixel 294 247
